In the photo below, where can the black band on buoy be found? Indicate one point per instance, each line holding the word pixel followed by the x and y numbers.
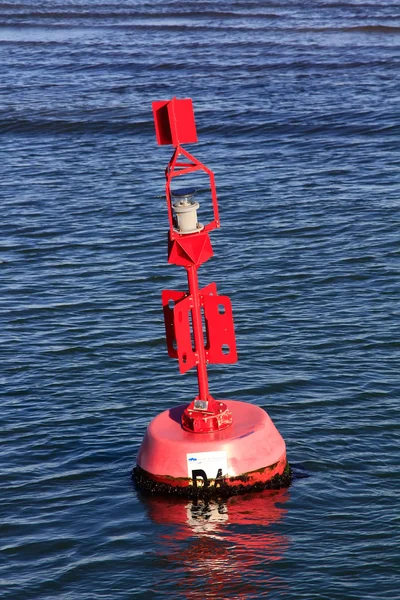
pixel 217 489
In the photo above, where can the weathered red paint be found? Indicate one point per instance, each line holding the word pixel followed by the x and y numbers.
pixel 235 439
pixel 255 450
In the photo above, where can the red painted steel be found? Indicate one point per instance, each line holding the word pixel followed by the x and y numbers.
pixel 254 449
pixel 221 342
pixel 185 313
pixel 198 333
pixel 169 299
pixel 216 418
pixel 239 446
pixel 174 121
pixel 183 316
pixel 176 168
pixel 208 290
pixel 188 250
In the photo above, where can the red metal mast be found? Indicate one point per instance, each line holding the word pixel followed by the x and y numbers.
pixel 189 246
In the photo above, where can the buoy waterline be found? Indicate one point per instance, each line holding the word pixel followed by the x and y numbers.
pixel 209 446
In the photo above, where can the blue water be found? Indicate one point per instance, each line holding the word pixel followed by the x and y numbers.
pixel 297 110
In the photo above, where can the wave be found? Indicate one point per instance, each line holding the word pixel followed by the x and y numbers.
pixel 373 28
pixel 38 126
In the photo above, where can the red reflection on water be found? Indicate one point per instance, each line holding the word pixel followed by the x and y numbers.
pixel 222 550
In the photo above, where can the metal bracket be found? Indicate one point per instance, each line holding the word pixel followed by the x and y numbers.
pixel 220 346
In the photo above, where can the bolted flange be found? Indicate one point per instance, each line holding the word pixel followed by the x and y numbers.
pixel 206 416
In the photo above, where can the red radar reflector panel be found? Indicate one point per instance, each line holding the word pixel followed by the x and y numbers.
pixel 169 299
pixel 177 307
pixel 208 290
pixel 187 357
pixel 221 342
pixel 174 121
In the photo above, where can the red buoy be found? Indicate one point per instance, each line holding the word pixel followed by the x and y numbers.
pixel 208 446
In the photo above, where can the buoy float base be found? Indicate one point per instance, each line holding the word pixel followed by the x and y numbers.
pixel 250 455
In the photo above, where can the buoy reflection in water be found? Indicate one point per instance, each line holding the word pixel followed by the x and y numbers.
pixel 222 548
